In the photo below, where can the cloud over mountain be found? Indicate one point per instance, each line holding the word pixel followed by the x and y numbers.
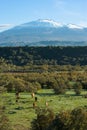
pixel 5 25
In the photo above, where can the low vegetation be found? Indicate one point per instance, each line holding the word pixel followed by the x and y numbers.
pixel 23 114
pixel 41 92
pixel 75 119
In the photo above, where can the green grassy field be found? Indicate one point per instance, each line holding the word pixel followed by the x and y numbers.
pixel 22 113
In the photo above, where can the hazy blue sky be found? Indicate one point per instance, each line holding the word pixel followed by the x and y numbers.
pixel 14 12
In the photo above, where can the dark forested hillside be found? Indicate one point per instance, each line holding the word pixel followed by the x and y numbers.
pixel 44 55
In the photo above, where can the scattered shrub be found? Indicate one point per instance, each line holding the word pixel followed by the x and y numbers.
pixel 44 118
pixel 65 120
pixel 4 121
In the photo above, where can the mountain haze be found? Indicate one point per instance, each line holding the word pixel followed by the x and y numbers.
pixel 42 30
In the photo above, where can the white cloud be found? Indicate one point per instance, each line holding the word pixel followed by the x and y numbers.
pixel 5 26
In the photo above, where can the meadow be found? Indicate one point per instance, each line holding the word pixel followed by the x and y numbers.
pixel 22 113
pixel 57 76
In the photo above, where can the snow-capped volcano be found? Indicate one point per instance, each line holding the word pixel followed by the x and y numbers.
pixel 50 22
pixel 43 30
pixel 43 23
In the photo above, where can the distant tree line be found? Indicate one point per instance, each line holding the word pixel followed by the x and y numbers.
pixel 32 82
pixel 49 55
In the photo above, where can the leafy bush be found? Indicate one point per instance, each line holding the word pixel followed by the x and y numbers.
pixel 65 120
pixel 4 121
pixel 44 118
pixel 74 120
pixel 79 119
pixel 77 88
pixel 59 87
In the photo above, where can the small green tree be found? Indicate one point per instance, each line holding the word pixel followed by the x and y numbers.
pixel 43 120
pixel 70 120
pixel 61 122
pixel 77 88
pixel 59 87
pixel 29 87
pixel 79 119
pixel 19 85
pixel 4 121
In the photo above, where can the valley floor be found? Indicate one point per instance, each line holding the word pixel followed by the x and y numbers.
pixel 22 113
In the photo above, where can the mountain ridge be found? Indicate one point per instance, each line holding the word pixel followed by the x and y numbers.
pixel 43 30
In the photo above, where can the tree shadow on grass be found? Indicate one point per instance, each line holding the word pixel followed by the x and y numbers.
pixel 12 112
pixel 73 95
pixel 19 108
pixel 27 101
pixel 30 107
pixel 45 94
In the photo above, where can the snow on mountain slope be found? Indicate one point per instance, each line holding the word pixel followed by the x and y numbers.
pixel 42 23
pixel 43 30
pixel 73 26
pixel 49 23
